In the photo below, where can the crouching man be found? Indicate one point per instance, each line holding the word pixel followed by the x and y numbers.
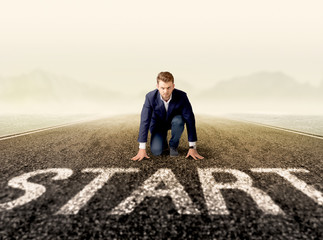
pixel 166 108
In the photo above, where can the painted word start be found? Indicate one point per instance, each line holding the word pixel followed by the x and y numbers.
pixel 214 200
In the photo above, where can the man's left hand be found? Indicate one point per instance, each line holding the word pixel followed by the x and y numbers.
pixel 194 154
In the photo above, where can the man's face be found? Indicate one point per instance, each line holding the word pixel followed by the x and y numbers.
pixel 165 89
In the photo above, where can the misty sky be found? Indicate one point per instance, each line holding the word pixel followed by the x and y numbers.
pixel 126 43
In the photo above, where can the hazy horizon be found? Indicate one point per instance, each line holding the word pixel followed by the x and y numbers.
pixel 122 46
pixel 271 92
pixel 210 41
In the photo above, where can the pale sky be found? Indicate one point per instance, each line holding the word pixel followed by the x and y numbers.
pixel 123 44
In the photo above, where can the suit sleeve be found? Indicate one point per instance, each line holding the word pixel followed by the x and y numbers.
pixel 145 119
pixel 189 119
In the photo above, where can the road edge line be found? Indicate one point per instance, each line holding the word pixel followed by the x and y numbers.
pixel 5 137
pixel 280 128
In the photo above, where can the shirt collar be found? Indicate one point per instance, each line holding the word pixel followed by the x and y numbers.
pixel 168 99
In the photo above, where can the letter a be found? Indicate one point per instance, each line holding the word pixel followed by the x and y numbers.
pixel 174 189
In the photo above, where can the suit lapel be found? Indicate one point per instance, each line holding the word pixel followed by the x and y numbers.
pixel 171 104
pixel 160 105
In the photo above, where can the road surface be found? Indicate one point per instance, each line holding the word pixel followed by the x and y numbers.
pixel 79 182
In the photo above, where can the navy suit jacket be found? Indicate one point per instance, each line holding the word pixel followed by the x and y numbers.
pixel 155 118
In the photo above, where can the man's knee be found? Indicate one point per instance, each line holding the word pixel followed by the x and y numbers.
pixel 178 121
pixel 156 150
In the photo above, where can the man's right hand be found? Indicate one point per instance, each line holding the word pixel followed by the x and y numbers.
pixel 140 155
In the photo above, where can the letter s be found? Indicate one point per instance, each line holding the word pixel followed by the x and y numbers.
pixel 32 190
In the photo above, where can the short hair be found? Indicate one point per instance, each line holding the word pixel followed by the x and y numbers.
pixel 165 77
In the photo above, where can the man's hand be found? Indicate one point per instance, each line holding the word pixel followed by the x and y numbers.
pixel 193 153
pixel 140 155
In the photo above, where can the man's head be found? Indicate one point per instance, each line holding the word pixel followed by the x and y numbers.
pixel 165 84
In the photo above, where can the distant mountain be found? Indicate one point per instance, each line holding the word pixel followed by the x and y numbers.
pixel 262 92
pixel 40 89
pixel 262 86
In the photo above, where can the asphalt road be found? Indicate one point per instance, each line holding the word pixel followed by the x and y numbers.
pixel 254 183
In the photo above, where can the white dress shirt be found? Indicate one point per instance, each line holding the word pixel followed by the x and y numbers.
pixel 142 145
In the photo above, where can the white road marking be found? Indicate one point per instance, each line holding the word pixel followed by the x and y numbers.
pixel 32 190
pixel 47 128
pixel 215 201
pixel 174 189
pixel 280 128
pixel 79 200
pixel 297 183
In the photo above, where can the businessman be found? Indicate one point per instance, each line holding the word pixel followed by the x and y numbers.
pixel 166 108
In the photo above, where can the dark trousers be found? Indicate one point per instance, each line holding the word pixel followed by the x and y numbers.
pixel 158 140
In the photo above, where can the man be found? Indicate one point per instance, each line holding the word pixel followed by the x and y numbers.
pixel 166 108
